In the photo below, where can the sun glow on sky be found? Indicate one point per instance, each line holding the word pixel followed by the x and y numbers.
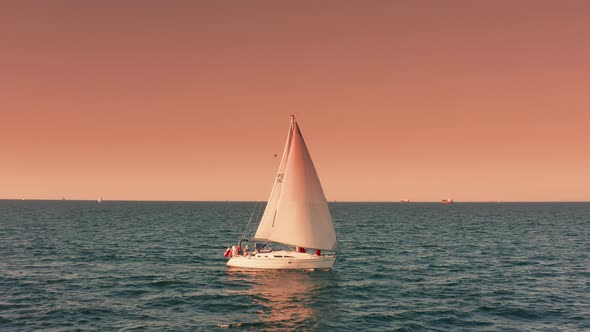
pixel 183 100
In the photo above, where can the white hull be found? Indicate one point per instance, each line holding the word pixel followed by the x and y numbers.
pixel 283 260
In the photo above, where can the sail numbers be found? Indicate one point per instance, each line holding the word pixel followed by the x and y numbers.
pixel 280 177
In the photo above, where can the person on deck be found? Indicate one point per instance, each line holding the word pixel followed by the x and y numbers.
pixel 301 250
pixel 318 252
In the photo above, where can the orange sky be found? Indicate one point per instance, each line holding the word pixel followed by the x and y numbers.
pixel 171 100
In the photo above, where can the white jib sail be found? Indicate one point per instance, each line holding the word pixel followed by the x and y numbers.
pixel 297 212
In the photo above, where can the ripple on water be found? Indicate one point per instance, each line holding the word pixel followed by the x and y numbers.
pixel 156 266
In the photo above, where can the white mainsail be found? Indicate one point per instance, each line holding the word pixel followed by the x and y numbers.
pixel 297 212
pixel 265 228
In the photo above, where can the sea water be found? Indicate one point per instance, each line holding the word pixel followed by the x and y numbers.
pixel 159 266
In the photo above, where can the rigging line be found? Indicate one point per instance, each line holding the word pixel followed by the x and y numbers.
pixel 257 210
pixel 258 214
pixel 255 214
pixel 249 221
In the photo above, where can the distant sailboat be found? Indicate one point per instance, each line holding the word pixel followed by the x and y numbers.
pixel 448 201
pixel 296 215
pixel 100 199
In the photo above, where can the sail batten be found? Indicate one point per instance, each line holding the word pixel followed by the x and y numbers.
pixel 297 211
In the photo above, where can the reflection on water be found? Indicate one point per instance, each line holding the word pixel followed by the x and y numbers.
pixel 287 299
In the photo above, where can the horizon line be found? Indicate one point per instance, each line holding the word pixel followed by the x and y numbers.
pixel 257 201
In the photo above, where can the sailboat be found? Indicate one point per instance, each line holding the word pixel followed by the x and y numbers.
pixel 99 199
pixel 296 217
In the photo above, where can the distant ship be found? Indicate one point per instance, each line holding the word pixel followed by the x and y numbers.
pixel 448 201
pixel 405 201
pixel 100 199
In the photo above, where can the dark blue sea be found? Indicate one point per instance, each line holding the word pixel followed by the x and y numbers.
pixel 159 266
